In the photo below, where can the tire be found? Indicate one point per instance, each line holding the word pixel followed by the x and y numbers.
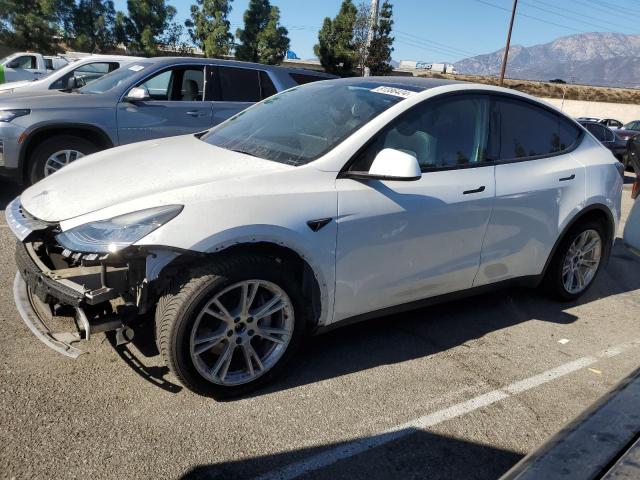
pixel 555 278
pixel 59 143
pixel 180 320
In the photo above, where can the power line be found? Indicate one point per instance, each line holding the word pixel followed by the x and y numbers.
pixel 520 14
pixel 611 22
pixel 569 17
pixel 420 39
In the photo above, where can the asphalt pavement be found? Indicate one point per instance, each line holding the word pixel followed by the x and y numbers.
pixel 459 390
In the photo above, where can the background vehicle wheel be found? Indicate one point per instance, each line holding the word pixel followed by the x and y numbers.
pixel 57 152
pixel 577 261
pixel 228 328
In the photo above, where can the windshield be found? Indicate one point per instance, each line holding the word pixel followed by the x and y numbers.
pixel 113 79
pixel 305 122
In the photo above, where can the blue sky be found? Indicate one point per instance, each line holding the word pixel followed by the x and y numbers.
pixel 449 30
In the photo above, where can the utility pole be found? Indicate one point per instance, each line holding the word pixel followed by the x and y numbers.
pixel 373 20
pixel 506 50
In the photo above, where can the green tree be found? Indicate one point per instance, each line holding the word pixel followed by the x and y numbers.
pixel 263 39
pixel 93 26
pixel 273 42
pixel 336 49
pixel 146 22
pixel 379 59
pixel 209 27
pixel 34 24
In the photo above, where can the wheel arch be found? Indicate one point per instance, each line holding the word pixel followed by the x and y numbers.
pixel 306 272
pixel 90 132
pixel 598 212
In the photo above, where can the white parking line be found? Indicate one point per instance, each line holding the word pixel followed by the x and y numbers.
pixel 358 446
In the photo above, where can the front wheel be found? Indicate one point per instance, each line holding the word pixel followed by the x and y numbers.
pixel 229 328
pixel 577 261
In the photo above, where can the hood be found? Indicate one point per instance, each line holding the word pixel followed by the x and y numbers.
pixel 135 171
pixel 12 85
pixel 26 98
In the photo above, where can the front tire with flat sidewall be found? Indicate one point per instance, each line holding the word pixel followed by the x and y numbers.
pixel 65 149
pixel 577 261
pixel 228 328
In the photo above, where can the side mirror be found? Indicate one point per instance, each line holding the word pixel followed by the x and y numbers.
pixel 13 64
pixel 72 83
pixel 137 94
pixel 391 164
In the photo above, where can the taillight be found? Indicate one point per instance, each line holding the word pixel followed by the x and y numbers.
pixel 635 189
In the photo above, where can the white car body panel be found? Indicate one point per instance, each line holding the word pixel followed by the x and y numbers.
pixel 391 242
pixel 42 84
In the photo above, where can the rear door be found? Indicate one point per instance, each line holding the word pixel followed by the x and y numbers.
pixel 539 186
pixel 177 106
pixel 236 88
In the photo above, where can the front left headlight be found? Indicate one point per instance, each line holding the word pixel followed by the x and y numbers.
pixel 10 114
pixel 110 236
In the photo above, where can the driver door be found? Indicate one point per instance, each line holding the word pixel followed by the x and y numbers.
pixel 177 106
pixel 402 241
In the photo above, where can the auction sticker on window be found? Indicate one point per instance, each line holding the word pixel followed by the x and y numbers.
pixel 396 92
pixel 136 68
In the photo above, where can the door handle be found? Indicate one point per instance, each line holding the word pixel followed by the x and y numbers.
pixel 566 179
pixel 477 190
pixel 194 113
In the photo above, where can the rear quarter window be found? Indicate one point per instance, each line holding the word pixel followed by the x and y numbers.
pixel 529 131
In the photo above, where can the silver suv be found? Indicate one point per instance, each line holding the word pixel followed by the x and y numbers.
pixel 151 98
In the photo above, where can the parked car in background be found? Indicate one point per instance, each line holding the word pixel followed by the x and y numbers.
pixel 151 98
pixel 28 66
pixel 611 122
pixel 74 75
pixel 629 130
pixel 609 139
pixel 332 202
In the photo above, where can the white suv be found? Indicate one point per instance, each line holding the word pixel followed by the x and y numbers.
pixel 334 201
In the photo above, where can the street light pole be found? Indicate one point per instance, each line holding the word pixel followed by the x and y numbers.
pixel 506 50
pixel 373 19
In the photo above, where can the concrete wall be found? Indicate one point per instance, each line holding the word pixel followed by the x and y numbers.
pixel 579 108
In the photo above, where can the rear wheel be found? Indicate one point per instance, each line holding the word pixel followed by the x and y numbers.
pixel 577 261
pixel 56 153
pixel 229 328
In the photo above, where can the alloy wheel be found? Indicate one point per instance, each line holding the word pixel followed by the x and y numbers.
pixel 60 159
pixel 242 332
pixel 581 261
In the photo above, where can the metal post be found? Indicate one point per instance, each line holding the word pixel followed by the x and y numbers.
pixel 506 50
pixel 373 20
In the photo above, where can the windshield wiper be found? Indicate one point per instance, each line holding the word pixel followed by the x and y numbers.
pixel 243 151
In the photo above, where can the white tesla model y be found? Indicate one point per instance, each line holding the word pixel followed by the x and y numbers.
pixel 330 202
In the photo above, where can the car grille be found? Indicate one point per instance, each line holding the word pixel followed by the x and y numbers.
pixel 20 222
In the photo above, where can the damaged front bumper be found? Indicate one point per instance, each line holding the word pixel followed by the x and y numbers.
pixel 99 293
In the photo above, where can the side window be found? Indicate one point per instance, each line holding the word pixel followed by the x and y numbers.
pixel 48 64
pixel 527 130
pixel 177 84
pixel 84 74
pixel 266 85
pixel 27 61
pixel 597 131
pixel 238 85
pixel 445 133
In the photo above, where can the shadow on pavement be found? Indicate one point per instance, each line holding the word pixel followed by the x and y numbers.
pixel 8 191
pixel 417 454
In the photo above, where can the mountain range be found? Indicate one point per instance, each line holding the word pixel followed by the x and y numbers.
pixel 606 59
